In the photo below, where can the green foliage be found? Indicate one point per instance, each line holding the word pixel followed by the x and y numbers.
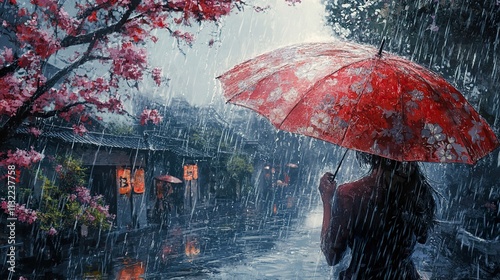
pixel 121 129
pixel 200 141
pixel 208 140
pixel 71 173
pixel 239 166
pixel 50 212
pixel 69 204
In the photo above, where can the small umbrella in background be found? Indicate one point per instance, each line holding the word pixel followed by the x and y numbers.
pixel 361 98
pixel 168 178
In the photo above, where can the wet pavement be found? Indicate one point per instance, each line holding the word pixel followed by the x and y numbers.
pixel 274 239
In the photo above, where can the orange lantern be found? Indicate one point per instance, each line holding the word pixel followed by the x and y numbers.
pixel 139 184
pixel 195 172
pixel 123 180
pixel 190 172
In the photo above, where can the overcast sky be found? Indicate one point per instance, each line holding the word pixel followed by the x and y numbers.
pixel 243 35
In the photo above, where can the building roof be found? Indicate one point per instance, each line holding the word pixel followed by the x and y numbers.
pixel 136 142
pixel 161 143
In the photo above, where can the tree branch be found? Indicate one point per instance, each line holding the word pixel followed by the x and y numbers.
pixel 9 69
pixel 24 110
pixel 55 112
pixel 90 10
pixel 63 72
pixel 83 39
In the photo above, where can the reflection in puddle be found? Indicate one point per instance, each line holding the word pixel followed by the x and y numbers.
pixel 207 243
pixel 192 247
pixel 131 270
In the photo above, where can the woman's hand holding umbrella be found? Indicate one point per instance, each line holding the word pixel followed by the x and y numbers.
pixel 327 187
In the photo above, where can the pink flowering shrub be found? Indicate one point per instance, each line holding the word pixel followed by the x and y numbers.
pixel 89 210
pixel 52 231
pixel 82 195
pixel 69 202
pixel 23 214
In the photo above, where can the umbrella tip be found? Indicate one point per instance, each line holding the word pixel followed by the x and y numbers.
pixel 381 48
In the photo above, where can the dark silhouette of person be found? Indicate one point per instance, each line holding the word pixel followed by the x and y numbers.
pixel 380 217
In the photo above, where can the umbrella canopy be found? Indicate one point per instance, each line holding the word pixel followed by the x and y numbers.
pixel 357 97
pixel 168 178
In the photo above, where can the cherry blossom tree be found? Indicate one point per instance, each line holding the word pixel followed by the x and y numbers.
pixel 99 48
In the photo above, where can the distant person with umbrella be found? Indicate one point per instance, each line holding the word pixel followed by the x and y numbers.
pixel 165 201
pixel 380 217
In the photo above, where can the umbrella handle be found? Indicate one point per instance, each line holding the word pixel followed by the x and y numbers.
pixel 332 179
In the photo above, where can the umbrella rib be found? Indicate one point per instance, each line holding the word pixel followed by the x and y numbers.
pixel 403 118
pixel 359 98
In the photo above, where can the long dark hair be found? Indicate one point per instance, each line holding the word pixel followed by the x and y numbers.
pixel 409 191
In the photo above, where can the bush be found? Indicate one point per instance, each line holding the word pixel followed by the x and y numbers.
pixel 69 203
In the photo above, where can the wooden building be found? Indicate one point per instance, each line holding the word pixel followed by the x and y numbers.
pixel 121 168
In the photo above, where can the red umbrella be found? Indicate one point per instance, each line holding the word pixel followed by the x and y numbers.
pixel 357 97
pixel 169 178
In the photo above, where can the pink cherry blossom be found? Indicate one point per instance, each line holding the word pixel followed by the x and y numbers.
pixel 157 75
pixel 22 158
pixel 79 129
pixel 35 131
pixel 23 214
pixel 129 61
pixel 150 115
pixel 6 56
pixel 185 36
pixel 44 43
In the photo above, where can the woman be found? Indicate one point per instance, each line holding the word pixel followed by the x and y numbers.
pixel 380 217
